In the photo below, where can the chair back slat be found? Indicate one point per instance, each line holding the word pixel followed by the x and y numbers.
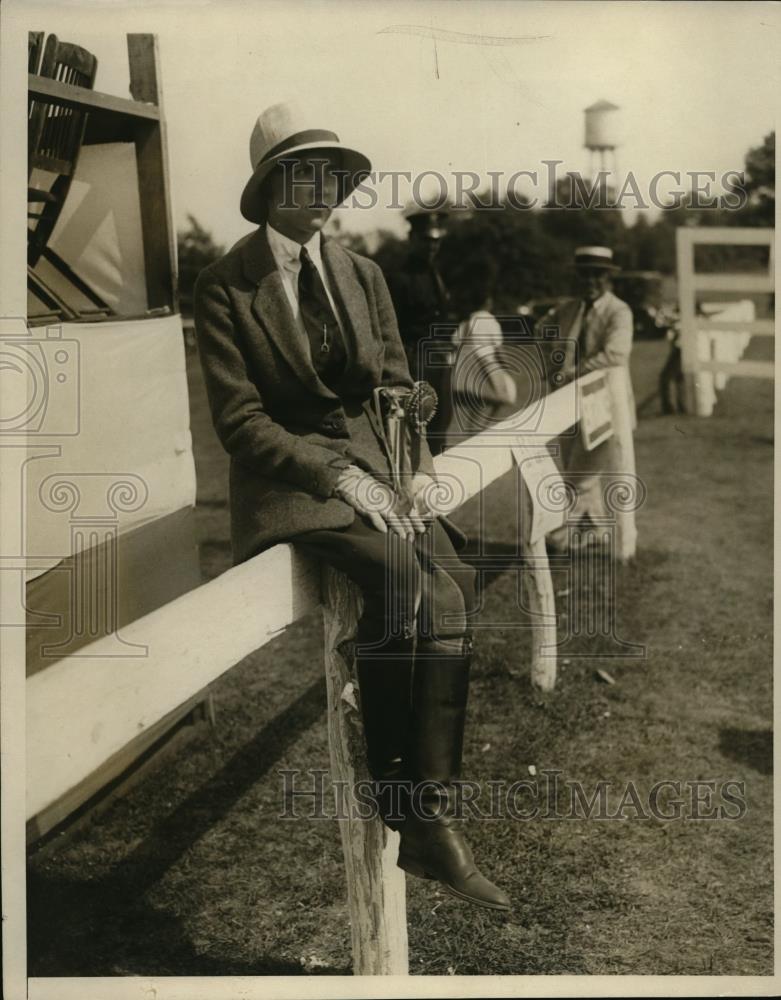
pixel 56 134
pixel 60 131
pixel 77 64
pixel 34 50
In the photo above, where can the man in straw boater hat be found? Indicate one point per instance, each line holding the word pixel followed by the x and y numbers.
pixel 298 342
pixel 597 327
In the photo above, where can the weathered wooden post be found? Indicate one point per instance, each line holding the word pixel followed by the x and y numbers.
pixel 376 890
pixel 542 606
pixel 152 159
pixel 684 247
pixel 541 485
pixel 624 457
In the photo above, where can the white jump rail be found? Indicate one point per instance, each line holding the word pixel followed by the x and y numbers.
pixel 711 347
pixel 86 709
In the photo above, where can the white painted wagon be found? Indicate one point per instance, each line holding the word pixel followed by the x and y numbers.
pixel 108 476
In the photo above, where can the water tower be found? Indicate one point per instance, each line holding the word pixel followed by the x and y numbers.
pixel 602 135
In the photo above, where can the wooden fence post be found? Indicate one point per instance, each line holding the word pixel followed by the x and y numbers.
pixel 153 176
pixel 624 452
pixel 536 472
pixel 376 890
pixel 684 251
pixel 542 606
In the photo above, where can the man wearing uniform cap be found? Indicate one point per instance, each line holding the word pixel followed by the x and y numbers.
pixel 422 303
pixel 597 327
pixel 295 334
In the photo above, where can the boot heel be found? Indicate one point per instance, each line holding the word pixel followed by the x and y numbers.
pixel 413 868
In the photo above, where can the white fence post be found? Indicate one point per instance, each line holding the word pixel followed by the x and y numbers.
pixel 542 607
pixel 684 250
pixel 539 482
pixel 376 890
pixel 624 453
pixel 712 344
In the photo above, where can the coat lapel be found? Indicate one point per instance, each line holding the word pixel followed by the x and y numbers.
pixel 569 321
pixel 363 344
pixel 271 309
pixel 595 325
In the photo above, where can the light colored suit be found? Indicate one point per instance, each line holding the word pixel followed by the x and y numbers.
pixel 600 337
pixel 606 339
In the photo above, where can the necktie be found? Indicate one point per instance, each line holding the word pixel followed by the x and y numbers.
pixel 584 319
pixel 320 322
pixel 441 291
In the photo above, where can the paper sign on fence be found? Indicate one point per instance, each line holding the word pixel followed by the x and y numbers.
pixel 544 487
pixel 596 414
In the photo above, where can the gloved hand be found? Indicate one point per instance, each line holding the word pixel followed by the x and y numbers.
pixel 423 488
pixel 377 502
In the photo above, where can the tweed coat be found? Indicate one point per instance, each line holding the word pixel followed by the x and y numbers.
pixel 288 434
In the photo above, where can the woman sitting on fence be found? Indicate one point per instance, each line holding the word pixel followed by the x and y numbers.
pixel 295 334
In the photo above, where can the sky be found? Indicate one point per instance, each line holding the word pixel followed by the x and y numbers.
pixel 501 87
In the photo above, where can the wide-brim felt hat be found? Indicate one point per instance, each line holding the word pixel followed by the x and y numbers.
pixel 284 131
pixel 594 257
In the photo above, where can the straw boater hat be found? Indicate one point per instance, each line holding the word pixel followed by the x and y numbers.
pixel 595 257
pixel 282 131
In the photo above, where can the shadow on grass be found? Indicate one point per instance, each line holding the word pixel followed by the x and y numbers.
pixel 751 747
pixel 79 926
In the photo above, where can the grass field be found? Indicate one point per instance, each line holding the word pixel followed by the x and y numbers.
pixel 193 873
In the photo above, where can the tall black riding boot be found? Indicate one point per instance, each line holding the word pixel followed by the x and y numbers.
pixel 432 846
pixel 385 687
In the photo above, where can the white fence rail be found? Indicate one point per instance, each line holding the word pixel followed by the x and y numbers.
pixel 84 711
pixel 713 339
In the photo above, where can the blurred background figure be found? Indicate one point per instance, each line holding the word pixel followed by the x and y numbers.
pixel 423 309
pixel 482 390
pixel 671 381
pixel 594 331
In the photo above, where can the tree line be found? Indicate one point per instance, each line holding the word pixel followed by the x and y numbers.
pixel 525 254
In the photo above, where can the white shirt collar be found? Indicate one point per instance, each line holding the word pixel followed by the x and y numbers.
pixel 287 252
pixel 600 303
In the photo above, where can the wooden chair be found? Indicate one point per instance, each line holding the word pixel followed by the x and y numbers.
pixel 34 50
pixel 34 53
pixel 55 136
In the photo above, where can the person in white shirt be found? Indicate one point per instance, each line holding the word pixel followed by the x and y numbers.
pixel 482 390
